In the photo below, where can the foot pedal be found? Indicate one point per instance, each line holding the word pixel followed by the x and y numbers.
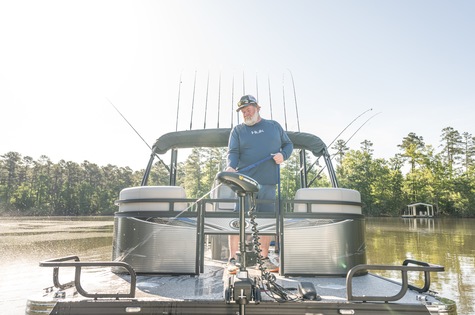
pixel 308 292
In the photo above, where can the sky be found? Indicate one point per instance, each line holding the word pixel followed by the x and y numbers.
pixel 395 66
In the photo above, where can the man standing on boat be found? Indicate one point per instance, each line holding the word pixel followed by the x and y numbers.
pixel 256 148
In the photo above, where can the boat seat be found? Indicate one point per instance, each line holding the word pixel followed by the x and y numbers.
pixel 332 200
pixel 153 192
pixel 328 246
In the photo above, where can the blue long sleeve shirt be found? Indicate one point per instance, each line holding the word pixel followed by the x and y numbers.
pixel 250 144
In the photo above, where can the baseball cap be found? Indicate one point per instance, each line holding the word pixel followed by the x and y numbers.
pixel 246 100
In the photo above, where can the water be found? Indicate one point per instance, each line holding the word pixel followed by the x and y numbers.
pixel 26 241
pixel 446 242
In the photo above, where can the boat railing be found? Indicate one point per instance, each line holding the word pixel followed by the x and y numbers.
pixel 408 265
pixel 74 261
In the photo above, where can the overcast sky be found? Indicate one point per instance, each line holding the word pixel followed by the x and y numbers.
pixel 61 62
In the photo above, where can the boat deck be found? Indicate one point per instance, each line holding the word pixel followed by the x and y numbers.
pixel 190 294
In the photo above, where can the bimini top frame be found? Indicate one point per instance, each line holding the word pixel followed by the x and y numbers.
pixel 219 137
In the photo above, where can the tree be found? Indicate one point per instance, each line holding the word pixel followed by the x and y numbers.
pixel 357 173
pixel 9 175
pixel 411 147
pixel 214 161
pixel 193 174
pixel 452 149
pixel 159 175
pixel 340 148
pixel 290 176
pixel 468 150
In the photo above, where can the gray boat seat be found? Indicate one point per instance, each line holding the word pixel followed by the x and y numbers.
pixel 153 192
pixel 155 247
pixel 330 245
pixel 332 200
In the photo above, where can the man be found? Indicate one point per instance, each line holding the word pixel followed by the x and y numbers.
pixel 249 143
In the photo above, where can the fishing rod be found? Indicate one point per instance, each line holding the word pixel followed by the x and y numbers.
pixel 270 97
pixel 166 166
pixel 295 100
pixel 359 129
pixel 349 125
pixel 178 103
pixel 311 182
pixel 193 103
pixel 219 97
pixel 206 102
pixel 257 89
pixel 303 169
pixel 283 97
pixel 364 112
pixel 232 103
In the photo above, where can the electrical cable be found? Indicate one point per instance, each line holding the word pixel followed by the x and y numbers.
pixel 268 281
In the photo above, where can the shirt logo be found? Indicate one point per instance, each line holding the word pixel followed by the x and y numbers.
pixel 256 132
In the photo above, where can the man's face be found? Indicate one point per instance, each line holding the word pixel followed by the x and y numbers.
pixel 250 114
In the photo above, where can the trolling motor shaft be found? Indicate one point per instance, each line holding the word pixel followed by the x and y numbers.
pixel 242 185
pixel 241 288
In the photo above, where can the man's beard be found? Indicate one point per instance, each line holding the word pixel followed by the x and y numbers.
pixel 251 121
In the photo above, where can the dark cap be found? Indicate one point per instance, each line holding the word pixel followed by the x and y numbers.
pixel 246 100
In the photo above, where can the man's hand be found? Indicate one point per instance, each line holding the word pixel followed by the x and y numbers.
pixel 230 169
pixel 278 158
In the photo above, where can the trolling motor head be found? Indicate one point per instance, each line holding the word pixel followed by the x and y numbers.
pixel 239 183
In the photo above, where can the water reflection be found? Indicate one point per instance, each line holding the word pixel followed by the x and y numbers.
pixel 26 241
pixel 447 242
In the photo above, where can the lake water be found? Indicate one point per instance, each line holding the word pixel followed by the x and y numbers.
pixel 26 241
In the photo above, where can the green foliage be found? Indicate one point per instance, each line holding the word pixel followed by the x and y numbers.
pixel 29 187
pixel 445 179
pixel 418 174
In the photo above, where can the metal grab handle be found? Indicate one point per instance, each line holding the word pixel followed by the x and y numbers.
pixel 63 262
pixel 426 286
pixel 421 267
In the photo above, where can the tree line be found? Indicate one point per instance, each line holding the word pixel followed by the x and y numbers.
pixel 419 173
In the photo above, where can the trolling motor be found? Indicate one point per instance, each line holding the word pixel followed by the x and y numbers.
pixel 241 289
